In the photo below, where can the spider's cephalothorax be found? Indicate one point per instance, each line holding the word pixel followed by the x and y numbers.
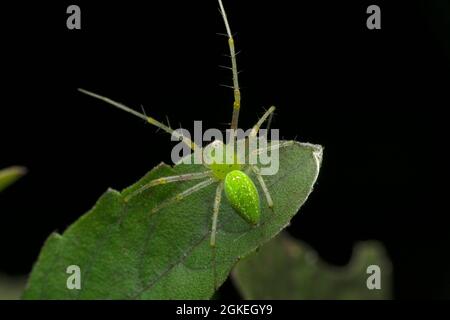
pixel 220 160
pixel 231 177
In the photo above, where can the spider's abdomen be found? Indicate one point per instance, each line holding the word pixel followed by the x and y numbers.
pixel 243 196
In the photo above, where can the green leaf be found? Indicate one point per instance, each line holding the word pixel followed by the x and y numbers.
pixel 289 269
pixel 10 175
pixel 126 252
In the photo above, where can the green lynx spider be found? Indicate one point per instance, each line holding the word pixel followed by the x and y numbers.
pixel 232 178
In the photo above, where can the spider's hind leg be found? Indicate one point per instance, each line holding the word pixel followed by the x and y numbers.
pixel 169 179
pixel 180 196
pixel 216 208
pixel 263 185
pixel 212 243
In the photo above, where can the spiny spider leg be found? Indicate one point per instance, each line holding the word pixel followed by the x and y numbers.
pixel 263 186
pixel 169 179
pixel 184 194
pixel 191 144
pixel 237 93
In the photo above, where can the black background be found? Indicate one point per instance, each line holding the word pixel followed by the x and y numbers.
pixel 375 99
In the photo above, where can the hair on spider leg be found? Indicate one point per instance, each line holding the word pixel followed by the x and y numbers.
pixel 225 67
pixel 230 68
pixel 229 56
pixel 230 87
pixel 226 86
pixel 225 19
pixel 143 110
pixel 168 122
pixel 145 114
pixel 222 34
